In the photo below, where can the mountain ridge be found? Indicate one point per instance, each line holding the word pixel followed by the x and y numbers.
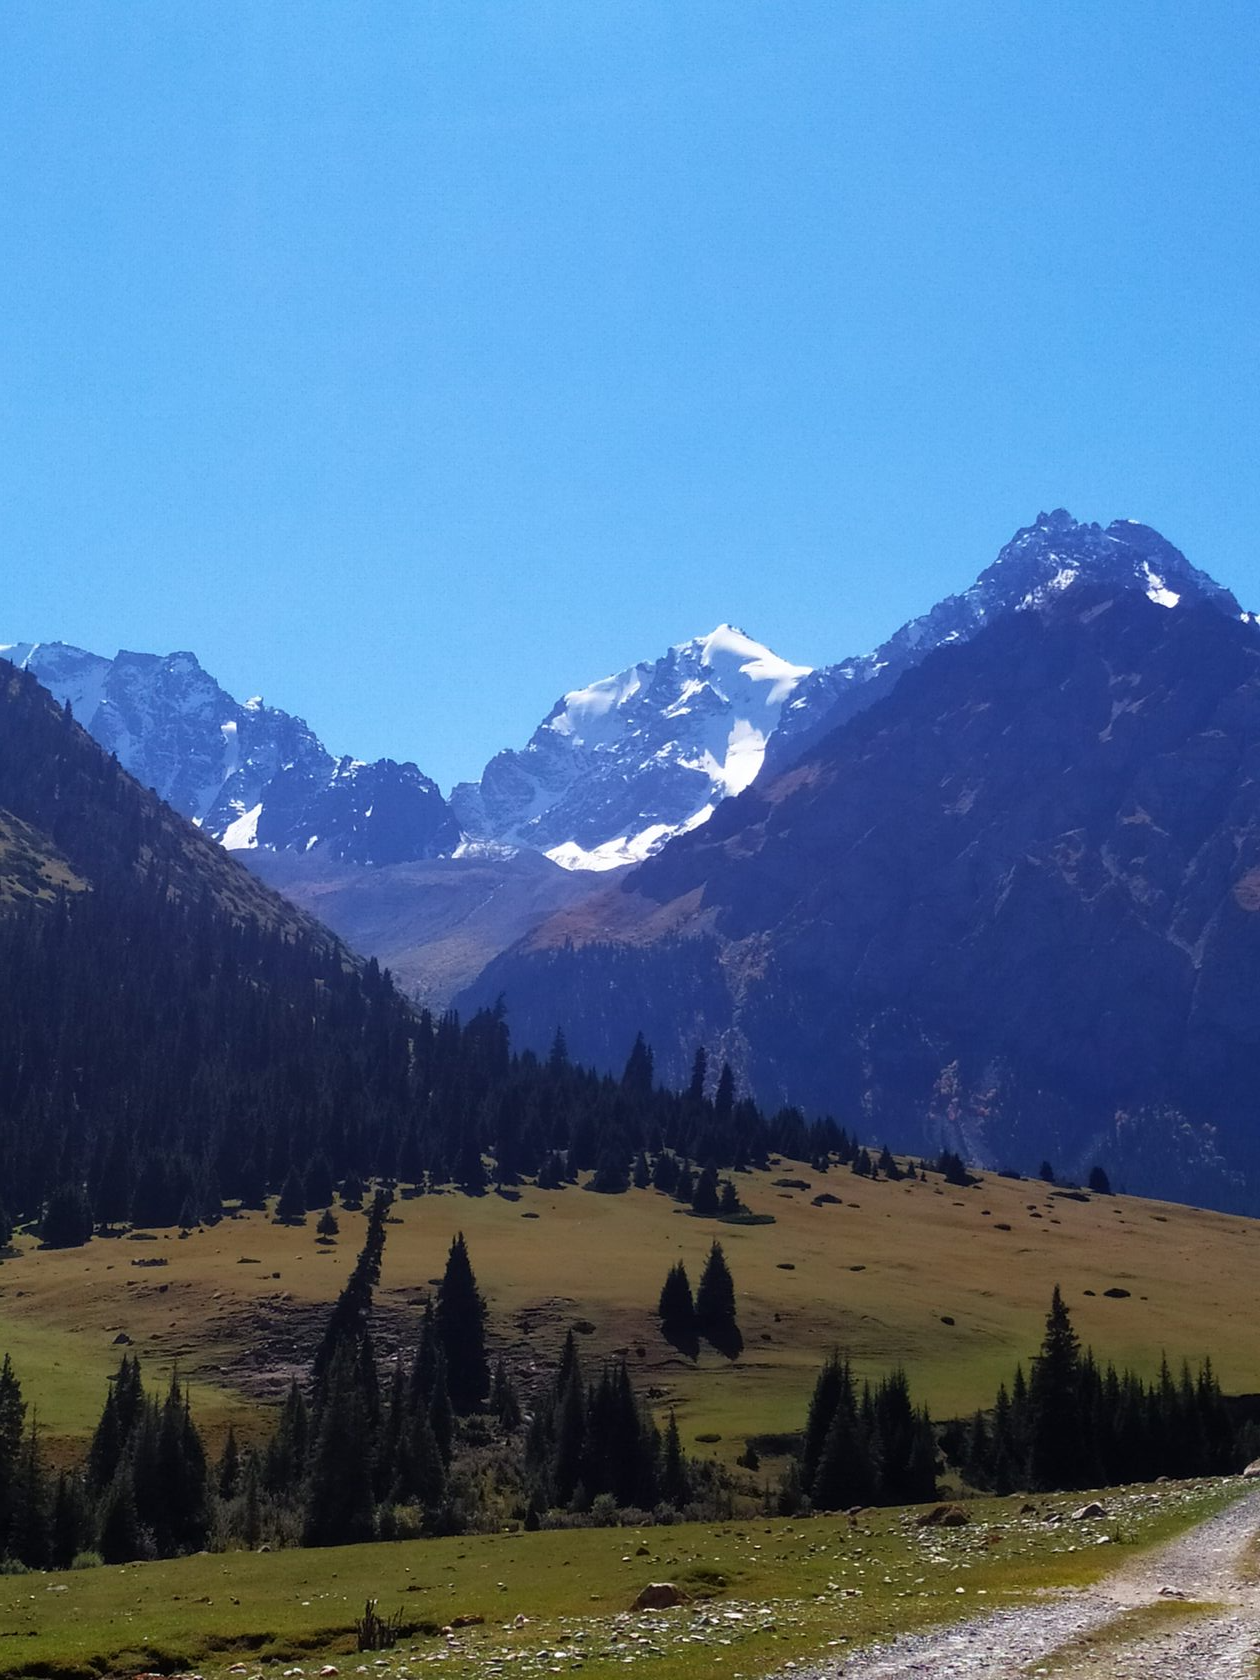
pixel 1010 908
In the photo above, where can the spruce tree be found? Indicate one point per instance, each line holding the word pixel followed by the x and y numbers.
pixel 676 1308
pixel 339 1506
pixel 460 1321
pixel 715 1297
pixel 704 1197
pixel 67 1221
pixel 675 1479
pixel 122 1540
pixel 1055 1444
pixel 291 1208
pixel 229 1468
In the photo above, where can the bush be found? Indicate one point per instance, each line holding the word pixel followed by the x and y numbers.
pixel 87 1560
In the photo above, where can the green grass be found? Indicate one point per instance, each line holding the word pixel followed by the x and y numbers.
pixel 875 1275
pixel 763 1592
pixel 1127 1628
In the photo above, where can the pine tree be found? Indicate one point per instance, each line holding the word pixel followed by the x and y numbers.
pixel 229 1469
pixel 570 1445
pixel 675 1479
pixel 699 1078
pixel 460 1321
pixel 676 1309
pixel 846 1472
pixel 339 1505
pixel 715 1297
pixel 441 1412
pixel 122 1540
pixel 704 1198
pixel 30 1518
pixel 291 1208
pixel 67 1221
pixel 724 1098
pixel 637 1079
pixel 72 1527
pixel 1054 1403
pixel 12 1425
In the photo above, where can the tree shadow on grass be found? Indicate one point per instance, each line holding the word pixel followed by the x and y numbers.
pixel 726 1338
pixel 683 1338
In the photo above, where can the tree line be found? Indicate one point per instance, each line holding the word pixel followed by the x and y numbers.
pixel 1068 1423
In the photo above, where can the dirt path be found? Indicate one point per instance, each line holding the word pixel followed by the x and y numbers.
pixel 1190 1611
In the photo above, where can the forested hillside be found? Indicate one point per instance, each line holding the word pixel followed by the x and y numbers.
pixel 176 1034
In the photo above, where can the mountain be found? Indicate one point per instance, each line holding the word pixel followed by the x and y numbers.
pixel 618 768
pixel 249 774
pixel 1013 907
pixel 1041 561
pixel 434 924
pixel 165 1018
pixel 173 1032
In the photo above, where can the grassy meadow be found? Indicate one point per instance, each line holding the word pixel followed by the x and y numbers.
pixel 879 1273
pixel 761 1594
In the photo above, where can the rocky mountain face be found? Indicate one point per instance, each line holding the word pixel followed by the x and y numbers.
pixel 248 774
pixel 615 770
pixel 1012 907
pixel 1054 554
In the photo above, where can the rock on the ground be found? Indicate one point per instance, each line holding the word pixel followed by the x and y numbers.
pixel 659 1595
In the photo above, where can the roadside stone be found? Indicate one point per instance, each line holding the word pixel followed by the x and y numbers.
pixel 659 1595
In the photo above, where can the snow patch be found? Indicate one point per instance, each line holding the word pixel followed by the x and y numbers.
pixel 241 835
pixel 1157 590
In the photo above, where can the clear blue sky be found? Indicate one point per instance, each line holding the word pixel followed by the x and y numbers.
pixel 414 362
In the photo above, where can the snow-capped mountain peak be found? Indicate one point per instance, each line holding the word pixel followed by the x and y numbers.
pixel 251 775
pixel 1042 561
pixel 622 765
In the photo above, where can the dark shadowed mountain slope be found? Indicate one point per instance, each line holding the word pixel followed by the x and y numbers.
pixel 1013 907
pixel 169 1026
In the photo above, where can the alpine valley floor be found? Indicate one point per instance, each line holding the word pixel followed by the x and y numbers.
pixel 951 1283
pixel 764 1597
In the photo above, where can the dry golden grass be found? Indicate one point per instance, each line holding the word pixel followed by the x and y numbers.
pixel 876 1275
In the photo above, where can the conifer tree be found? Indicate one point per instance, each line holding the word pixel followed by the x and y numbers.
pixel 699 1078
pixel 460 1322
pixel 122 1539
pixel 1054 1403
pixel 675 1480
pixel 339 1504
pixel 676 1308
pixel 30 1520
pixel 291 1208
pixel 638 1076
pixel 229 1469
pixel 704 1197
pixel 441 1412
pixel 72 1525
pixel 715 1297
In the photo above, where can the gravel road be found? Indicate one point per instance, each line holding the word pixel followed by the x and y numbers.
pixel 1101 1632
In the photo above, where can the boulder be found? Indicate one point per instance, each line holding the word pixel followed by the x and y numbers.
pixel 1252 1472
pixel 1085 1512
pixel 943 1516
pixel 659 1595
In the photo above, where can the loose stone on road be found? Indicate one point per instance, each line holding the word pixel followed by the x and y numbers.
pixel 1191 1610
